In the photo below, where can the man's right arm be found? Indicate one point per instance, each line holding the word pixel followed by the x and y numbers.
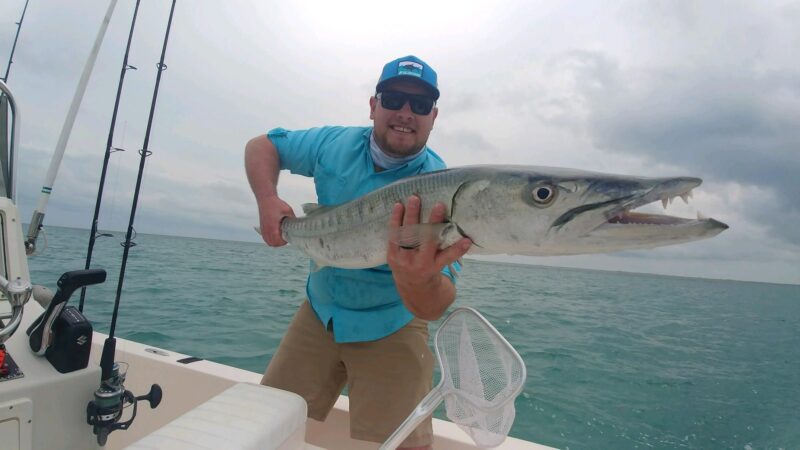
pixel 262 164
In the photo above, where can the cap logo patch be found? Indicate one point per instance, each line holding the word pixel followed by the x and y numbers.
pixel 409 68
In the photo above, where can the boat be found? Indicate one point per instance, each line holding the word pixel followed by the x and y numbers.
pixel 55 391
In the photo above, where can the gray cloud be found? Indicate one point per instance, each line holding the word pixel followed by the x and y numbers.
pixel 465 142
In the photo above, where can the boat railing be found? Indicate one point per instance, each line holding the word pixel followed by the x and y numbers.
pixel 9 147
pixel 15 286
pixel 17 292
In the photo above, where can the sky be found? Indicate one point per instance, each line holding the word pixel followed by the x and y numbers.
pixel 646 88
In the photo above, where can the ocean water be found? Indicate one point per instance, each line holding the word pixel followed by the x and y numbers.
pixel 615 360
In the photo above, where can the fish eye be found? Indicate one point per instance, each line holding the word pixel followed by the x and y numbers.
pixel 543 194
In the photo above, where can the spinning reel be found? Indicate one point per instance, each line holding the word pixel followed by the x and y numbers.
pixel 104 413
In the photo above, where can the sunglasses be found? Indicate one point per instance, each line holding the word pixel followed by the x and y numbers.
pixel 420 104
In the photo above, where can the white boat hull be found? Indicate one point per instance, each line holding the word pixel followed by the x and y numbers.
pixel 188 385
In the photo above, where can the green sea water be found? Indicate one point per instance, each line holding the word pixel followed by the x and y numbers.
pixel 615 360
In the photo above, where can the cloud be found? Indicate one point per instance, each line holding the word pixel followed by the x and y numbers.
pixel 642 88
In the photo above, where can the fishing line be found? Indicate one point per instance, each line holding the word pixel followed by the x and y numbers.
pixel 109 150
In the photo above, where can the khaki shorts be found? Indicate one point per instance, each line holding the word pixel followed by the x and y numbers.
pixel 386 379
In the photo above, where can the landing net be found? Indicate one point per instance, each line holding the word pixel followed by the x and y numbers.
pixel 482 374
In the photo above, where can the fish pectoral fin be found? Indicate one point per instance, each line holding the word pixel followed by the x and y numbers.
pixel 412 236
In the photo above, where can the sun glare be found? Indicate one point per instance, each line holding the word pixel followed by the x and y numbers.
pixel 347 21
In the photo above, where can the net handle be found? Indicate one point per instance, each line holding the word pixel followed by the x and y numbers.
pixel 424 409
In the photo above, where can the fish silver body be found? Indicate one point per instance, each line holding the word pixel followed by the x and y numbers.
pixel 514 210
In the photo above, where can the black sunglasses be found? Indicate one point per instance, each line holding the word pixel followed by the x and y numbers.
pixel 420 104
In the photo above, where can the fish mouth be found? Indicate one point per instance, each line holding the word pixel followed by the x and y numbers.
pixel 629 218
pixel 666 192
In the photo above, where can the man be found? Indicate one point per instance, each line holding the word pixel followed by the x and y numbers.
pixel 366 329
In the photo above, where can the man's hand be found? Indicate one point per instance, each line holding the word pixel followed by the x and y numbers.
pixel 417 272
pixel 262 164
pixel 271 211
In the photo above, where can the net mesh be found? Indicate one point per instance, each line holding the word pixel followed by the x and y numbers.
pixel 481 376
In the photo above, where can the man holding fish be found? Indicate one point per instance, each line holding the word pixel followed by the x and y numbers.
pixel 366 329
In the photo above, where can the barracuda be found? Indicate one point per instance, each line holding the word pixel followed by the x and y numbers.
pixel 514 210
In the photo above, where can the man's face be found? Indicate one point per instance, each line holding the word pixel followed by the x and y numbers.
pixel 401 133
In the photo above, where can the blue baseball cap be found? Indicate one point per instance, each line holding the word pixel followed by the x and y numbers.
pixel 409 68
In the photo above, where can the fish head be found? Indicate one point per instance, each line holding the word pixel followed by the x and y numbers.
pixel 550 211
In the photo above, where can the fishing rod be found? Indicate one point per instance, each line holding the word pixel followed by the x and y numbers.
pixel 14 46
pixel 144 153
pixel 66 130
pixel 6 163
pixel 111 398
pixel 109 150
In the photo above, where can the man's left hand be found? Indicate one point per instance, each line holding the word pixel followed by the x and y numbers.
pixel 417 271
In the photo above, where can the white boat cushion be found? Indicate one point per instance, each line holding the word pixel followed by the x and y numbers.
pixel 244 416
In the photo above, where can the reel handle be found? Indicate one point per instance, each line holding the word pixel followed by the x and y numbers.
pixel 153 397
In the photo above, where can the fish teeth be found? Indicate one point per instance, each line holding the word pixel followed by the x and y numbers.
pixel 668 199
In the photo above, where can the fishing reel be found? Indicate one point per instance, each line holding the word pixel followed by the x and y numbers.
pixel 104 413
